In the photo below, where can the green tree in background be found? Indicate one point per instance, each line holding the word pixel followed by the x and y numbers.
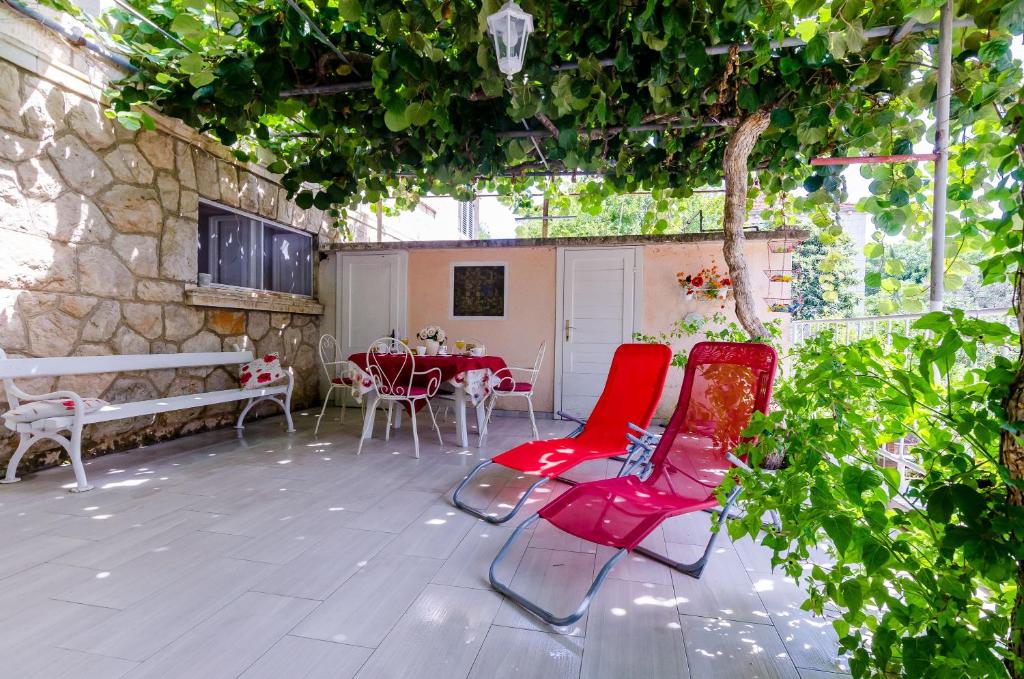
pixel 622 215
pixel 828 277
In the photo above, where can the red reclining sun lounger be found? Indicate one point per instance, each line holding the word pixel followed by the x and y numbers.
pixel 725 382
pixel 631 394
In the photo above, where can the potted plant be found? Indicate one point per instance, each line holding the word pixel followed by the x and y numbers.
pixel 433 337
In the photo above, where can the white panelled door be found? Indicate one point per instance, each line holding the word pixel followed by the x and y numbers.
pixel 599 289
pixel 371 299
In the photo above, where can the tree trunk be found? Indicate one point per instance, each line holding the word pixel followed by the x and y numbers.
pixel 1011 455
pixel 736 173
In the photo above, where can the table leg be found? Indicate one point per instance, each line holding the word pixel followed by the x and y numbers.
pixel 371 410
pixel 481 419
pixel 460 417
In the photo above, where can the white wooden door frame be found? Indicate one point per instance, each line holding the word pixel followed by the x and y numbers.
pixel 638 311
pixel 340 296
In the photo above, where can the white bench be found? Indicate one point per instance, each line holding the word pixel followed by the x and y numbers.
pixel 51 427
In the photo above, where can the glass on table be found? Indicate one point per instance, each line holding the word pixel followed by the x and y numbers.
pixel 460 345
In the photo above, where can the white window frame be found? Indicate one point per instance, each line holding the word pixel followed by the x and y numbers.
pixel 451 292
pixel 256 266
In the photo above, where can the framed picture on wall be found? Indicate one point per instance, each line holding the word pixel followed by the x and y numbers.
pixel 479 290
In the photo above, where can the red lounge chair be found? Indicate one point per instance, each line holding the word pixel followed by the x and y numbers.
pixel 724 384
pixel 631 394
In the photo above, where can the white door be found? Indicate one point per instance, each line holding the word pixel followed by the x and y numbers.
pixel 598 313
pixel 371 299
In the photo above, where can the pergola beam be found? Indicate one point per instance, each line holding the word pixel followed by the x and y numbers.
pixel 617 129
pixel 943 92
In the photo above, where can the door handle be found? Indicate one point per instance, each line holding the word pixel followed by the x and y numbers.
pixel 567 329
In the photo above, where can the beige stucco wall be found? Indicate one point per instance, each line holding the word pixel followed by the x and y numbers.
pixel 98 245
pixel 531 307
pixel 533 293
pixel 664 301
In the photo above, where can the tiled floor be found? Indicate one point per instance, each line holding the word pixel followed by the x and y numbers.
pixel 277 556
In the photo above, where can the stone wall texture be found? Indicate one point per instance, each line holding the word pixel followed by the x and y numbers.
pixel 98 245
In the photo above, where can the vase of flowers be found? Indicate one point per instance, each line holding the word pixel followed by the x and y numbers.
pixel 433 337
pixel 705 284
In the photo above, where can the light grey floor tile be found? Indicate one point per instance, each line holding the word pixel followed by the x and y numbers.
pixel 291 536
pixel 724 590
pixel 48 621
pixel 25 553
pixel 435 533
pixel 106 523
pixel 299 658
pixel 161 567
pixel 38 661
pixel 138 632
pixel 439 636
pixel 636 567
pixel 228 642
pixel 810 639
pixel 556 581
pixel 723 648
pixel 22 590
pixel 368 605
pixel 694 529
pixel 818 674
pixel 547 536
pixel 321 569
pixel 394 511
pixel 138 540
pixel 510 653
pixel 469 563
pixel 633 630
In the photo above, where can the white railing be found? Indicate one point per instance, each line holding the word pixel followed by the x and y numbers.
pixel 852 329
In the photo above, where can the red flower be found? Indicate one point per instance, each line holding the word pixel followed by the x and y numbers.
pixel 269 357
pixel 264 377
pixel 726 281
pixel 697 281
pixel 246 376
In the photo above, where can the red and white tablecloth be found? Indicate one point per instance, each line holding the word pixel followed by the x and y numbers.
pixel 475 375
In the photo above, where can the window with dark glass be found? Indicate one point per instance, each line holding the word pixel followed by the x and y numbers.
pixel 244 251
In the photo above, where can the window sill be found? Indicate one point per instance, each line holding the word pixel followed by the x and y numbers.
pixel 252 300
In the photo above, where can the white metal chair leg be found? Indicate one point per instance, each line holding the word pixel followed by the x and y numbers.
pixel 415 432
pixel 387 427
pixel 433 419
pixel 323 409
pixel 341 420
pixel 533 420
pixel 368 419
pixel 487 418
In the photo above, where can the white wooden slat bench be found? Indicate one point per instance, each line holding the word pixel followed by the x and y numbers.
pixel 51 427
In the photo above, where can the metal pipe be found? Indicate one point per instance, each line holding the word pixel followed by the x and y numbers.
pixel 149 22
pixel 942 96
pixel 617 129
pixel 897 32
pixel 878 32
pixel 74 39
pixel 875 160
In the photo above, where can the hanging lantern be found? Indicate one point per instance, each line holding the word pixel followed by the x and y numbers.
pixel 510 27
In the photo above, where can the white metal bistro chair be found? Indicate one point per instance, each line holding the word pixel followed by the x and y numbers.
pixel 392 367
pixel 509 384
pixel 340 375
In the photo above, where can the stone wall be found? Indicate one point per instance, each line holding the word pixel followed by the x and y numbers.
pixel 98 255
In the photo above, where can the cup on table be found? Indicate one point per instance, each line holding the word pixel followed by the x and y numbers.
pixel 442 350
pixel 421 351
pixel 476 351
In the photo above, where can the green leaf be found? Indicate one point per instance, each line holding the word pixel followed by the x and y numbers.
pixel 201 79
pixel 839 529
pixel 350 10
pixel 192 63
pixel 874 250
pixel 187 26
pixel 875 556
pixel 816 51
pixel 395 120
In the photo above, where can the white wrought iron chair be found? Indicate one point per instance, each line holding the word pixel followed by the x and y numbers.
pixel 340 375
pixel 392 367
pixel 510 385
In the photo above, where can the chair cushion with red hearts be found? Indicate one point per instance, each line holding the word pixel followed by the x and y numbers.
pixel 52 407
pixel 261 372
